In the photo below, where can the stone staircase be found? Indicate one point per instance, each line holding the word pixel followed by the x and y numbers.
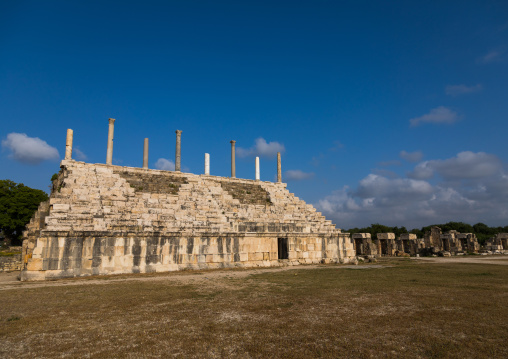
pixel 152 183
pixel 247 193
pixel 110 198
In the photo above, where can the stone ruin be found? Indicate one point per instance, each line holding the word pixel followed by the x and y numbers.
pixel 434 243
pixel 386 244
pixel 105 219
pixel 497 244
pixel 451 242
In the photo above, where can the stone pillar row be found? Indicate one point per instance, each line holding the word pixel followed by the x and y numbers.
pixel 178 153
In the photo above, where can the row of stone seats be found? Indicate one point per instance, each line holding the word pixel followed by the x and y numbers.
pixel 107 198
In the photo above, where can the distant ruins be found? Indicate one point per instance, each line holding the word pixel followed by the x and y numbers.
pixel 497 244
pixel 433 243
pixel 105 219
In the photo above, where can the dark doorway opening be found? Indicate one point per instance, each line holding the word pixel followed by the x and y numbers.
pixel 463 243
pixel 406 246
pixel 358 246
pixel 282 246
pixel 384 246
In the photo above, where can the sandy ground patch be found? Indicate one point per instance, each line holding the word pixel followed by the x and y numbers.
pixel 10 280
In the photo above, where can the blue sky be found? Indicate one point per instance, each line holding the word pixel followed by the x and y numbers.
pixel 390 112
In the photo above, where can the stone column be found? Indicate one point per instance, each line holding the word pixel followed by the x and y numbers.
pixel 279 168
pixel 233 168
pixel 178 153
pixel 145 154
pixel 68 145
pixel 207 164
pixel 257 169
pixel 109 155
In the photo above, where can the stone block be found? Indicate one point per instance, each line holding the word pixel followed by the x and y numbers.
pixel 256 256
pixel 360 235
pixel 35 264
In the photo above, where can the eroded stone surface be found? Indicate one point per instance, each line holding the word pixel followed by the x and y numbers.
pixel 104 219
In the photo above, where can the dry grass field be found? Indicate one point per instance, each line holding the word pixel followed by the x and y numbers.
pixel 399 308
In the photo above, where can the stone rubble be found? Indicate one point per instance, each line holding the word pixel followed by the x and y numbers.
pixel 434 243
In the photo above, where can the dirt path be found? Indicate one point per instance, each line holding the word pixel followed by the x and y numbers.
pixel 10 280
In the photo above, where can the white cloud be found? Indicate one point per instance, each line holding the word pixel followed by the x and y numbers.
pixel 316 160
pixel 456 90
pixel 30 150
pixel 480 195
pixel 466 165
pixel 392 191
pixel 491 56
pixel 384 172
pixel 437 115
pixel 165 165
pixel 297 175
pixel 469 165
pixel 80 156
pixel 261 148
pixel 423 170
pixel 411 156
pixel 336 146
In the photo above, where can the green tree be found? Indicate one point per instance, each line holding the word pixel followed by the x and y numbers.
pixel 17 205
pixel 481 230
pixel 418 232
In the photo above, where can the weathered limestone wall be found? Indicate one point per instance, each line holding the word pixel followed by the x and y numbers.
pixel 10 264
pixel 388 245
pixel 502 239
pixel 364 245
pixel 56 257
pixel 433 238
pixel 104 219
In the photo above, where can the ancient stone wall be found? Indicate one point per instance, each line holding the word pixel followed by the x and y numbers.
pixel 433 243
pixel 363 244
pixel 103 219
pixel 11 263
pixel 497 244
pixel 433 238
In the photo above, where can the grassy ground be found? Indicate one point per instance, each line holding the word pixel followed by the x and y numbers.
pixel 8 252
pixel 410 309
